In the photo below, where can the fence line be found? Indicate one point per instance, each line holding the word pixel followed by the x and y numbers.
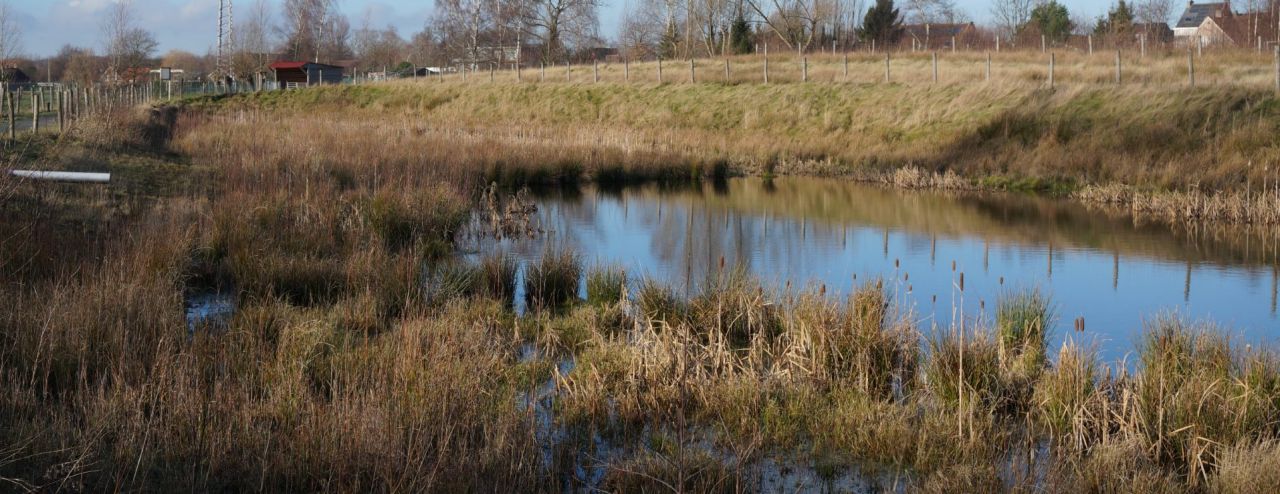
pixel 937 70
pixel 60 106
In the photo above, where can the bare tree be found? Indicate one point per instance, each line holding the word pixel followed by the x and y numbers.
pixel 315 29
pixel 556 21
pixel 425 48
pixel 1011 15
pixel 643 30
pixel 795 22
pixel 10 33
pixel 462 25
pixel 252 41
pixel 931 11
pixel 378 49
pixel 128 46
pixel 1155 11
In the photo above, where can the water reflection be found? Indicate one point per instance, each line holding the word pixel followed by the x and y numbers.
pixel 1102 265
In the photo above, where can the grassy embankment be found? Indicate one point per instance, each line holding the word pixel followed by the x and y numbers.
pixel 1203 153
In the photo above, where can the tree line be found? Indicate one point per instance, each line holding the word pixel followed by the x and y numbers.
pixel 480 33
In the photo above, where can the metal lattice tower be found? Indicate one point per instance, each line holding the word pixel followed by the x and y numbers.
pixel 225 24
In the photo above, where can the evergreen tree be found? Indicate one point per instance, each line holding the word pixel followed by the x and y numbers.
pixel 1119 20
pixel 740 36
pixel 882 24
pixel 1053 20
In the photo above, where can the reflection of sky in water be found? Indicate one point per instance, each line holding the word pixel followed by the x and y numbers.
pixel 809 231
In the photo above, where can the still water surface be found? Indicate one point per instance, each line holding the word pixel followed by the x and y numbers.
pixel 1101 265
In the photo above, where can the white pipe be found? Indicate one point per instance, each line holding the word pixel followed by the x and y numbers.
pixel 63 176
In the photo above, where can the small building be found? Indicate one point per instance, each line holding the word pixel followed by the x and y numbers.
pixel 932 36
pixel 306 73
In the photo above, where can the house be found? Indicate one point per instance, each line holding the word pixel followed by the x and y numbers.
pixel 306 73
pixel 1215 24
pixel 931 36
pixel 1249 30
pixel 1202 22
pixel 14 76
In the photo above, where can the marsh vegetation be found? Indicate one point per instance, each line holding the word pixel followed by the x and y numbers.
pixel 364 353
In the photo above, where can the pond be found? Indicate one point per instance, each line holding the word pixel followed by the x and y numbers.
pixel 1098 264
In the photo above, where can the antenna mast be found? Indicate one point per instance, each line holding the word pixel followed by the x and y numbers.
pixel 225 23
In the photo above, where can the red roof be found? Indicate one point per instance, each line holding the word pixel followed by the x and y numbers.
pixel 287 65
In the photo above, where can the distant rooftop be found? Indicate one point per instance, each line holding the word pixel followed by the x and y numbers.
pixel 1197 12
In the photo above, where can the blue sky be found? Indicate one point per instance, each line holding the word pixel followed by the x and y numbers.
pixel 191 24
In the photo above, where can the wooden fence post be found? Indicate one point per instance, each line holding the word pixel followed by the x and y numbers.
pixel 766 63
pixel 595 71
pixel 568 72
pixel 1277 63
pixel 935 67
pixel 886 66
pixel 659 70
pixel 1090 44
pixel 542 71
pixel 845 60
pixel 13 121
pixel 693 78
pixel 62 126
pixel 626 70
pixel 726 71
pixel 1191 69
pixel 988 78
pixel 1044 44
pixel 804 69
pixel 1117 66
pixel 35 112
pixel 1051 70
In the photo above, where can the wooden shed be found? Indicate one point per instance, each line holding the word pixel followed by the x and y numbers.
pixel 306 73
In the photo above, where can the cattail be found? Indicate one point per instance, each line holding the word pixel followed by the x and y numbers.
pixel 895 264
pixel 982 304
pixel 906 276
pixel 953 265
pixel 823 290
pixel 722 263
pixel 908 288
pixel 1001 281
pixel 962 282
pixel 935 298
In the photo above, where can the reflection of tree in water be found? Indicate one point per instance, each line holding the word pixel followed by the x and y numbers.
pixel 688 234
